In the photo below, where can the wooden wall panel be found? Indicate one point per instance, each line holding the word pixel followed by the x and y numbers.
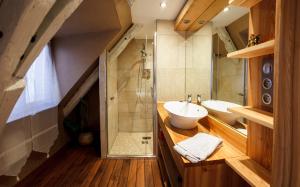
pixel 286 153
pixel 262 22
pixel 222 175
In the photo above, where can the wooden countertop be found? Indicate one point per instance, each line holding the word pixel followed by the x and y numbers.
pixel 174 135
pixel 232 151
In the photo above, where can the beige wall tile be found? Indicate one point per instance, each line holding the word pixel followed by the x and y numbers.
pixel 183 63
pixel 230 80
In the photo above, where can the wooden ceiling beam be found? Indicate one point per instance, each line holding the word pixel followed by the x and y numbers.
pixel 25 28
pixel 244 3
pixel 19 20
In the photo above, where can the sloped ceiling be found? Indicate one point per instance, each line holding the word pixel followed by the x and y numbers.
pixel 92 16
pixel 93 27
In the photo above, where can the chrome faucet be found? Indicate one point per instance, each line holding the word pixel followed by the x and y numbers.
pixel 198 99
pixel 189 99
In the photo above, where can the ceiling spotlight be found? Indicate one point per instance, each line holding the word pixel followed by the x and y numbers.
pixel 163 4
pixel 226 9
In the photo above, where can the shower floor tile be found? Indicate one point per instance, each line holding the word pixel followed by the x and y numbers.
pixel 131 144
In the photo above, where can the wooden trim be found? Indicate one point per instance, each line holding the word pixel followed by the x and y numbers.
pixel 53 21
pixel 256 115
pixel 227 132
pixel 214 9
pixel 191 11
pixel 249 170
pixel 103 104
pixel 254 51
pixel 183 12
pixel 286 155
pixel 244 3
pixel 88 83
pixel 259 142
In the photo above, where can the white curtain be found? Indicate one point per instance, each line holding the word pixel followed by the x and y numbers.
pixel 42 89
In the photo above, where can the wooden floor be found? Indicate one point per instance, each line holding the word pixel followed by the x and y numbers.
pixel 81 167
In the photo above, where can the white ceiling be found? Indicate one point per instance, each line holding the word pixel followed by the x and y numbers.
pixel 225 18
pixel 145 12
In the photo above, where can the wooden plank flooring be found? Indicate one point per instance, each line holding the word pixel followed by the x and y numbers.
pixel 81 167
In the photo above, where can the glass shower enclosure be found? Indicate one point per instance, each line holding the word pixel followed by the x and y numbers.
pixel 129 97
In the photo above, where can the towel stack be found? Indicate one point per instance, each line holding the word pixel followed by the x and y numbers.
pixel 198 147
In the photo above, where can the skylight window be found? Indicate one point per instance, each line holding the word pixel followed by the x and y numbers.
pixel 41 91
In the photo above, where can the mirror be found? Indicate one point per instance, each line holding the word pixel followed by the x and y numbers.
pixel 230 33
pixel 196 63
pixel 229 76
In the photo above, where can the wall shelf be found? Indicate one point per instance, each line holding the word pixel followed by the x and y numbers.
pixel 253 114
pixel 254 51
pixel 250 171
pixel 244 3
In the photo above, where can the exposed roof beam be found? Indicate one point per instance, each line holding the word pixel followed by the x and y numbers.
pixel 19 20
pixel 53 21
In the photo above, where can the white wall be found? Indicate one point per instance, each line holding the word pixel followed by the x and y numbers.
pixel 183 63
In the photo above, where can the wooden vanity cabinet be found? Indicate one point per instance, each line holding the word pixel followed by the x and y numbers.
pixel 177 171
pixel 214 175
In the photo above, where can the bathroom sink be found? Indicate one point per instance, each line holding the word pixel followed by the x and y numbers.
pixel 219 109
pixel 184 115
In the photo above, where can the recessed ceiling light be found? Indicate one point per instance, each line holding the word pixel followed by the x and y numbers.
pixel 226 9
pixel 163 4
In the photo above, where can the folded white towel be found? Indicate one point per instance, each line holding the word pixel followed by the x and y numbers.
pixel 198 147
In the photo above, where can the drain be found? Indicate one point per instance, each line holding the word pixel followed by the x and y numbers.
pixel 146 137
pixel 144 142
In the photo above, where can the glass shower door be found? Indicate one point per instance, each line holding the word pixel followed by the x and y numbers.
pixel 130 100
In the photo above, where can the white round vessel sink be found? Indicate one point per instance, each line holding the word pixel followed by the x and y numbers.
pixel 184 115
pixel 219 109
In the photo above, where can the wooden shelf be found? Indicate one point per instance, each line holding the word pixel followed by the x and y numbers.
pixel 253 114
pixel 254 51
pixel 172 173
pixel 250 171
pixel 244 3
